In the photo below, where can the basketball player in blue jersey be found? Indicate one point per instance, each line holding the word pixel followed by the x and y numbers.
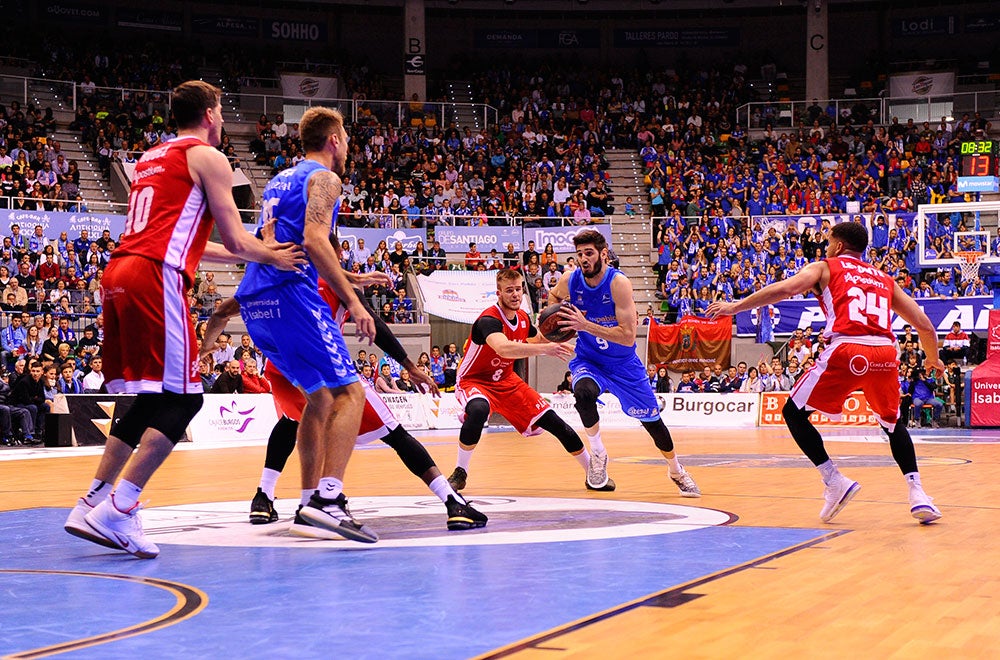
pixel 602 311
pixel 292 325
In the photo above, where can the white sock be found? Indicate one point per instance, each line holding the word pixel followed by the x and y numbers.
pixel 99 491
pixel 464 456
pixel 673 465
pixel 268 480
pixel 596 445
pixel 828 471
pixel 330 488
pixel 306 495
pixel 583 458
pixel 913 479
pixel 125 496
pixel 440 487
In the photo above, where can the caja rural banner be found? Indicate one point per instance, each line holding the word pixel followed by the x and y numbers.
pixel 856 411
pixel 972 313
pixel 691 343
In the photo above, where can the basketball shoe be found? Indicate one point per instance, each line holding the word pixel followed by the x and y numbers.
pixel 922 506
pixel 77 525
pixel 334 516
pixel 837 495
pixel 122 528
pixel 685 484
pixel 262 509
pixel 458 478
pixel 597 471
pixel 304 528
pixel 461 515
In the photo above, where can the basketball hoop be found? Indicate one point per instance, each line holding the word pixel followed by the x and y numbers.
pixel 970 264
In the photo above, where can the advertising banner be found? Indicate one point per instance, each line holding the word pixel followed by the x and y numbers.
pixel 296 86
pixel 982 22
pixel 561 238
pixel 856 411
pixel 150 19
pixel 408 409
pixel 441 412
pixel 56 222
pixel 734 410
pixel 92 415
pixel 75 12
pixel 677 38
pixel 372 237
pixel 923 26
pixel 230 26
pixel 692 343
pixel 457 239
pixel 531 38
pixel 608 406
pixel 295 31
pixel 993 334
pixel 912 85
pixel 984 395
pixel 461 295
pixel 971 312
pixel 234 417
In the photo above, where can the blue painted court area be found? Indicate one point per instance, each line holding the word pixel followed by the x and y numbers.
pixel 413 602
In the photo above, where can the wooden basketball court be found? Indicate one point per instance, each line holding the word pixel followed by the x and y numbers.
pixel 873 583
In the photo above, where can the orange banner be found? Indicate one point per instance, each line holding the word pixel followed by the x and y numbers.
pixel 690 344
pixel 856 411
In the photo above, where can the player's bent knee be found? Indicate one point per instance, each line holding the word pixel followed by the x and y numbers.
pixel 410 451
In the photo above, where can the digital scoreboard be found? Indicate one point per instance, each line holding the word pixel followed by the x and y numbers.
pixel 978 168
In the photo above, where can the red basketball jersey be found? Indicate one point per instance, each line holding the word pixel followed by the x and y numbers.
pixel 858 300
pixel 482 362
pixel 340 313
pixel 168 217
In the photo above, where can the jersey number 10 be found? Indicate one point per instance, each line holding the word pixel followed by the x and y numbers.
pixel 865 307
pixel 139 204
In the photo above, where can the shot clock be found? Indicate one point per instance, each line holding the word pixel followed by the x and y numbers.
pixel 978 169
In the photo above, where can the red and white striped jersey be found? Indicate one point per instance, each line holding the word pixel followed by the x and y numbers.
pixel 169 221
pixel 482 362
pixel 339 310
pixel 858 301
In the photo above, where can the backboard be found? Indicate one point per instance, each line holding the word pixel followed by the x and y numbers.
pixel 961 227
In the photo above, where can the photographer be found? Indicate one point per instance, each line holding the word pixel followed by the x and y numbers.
pixel 922 388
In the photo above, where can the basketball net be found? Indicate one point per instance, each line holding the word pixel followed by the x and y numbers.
pixel 970 264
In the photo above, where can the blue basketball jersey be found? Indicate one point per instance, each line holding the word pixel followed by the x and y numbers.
pixel 285 198
pixel 599 307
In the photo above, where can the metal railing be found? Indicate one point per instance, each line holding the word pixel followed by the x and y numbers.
pixel 400 113
pixel 785 115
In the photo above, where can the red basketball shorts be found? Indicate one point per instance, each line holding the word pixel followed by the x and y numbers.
pixel 510 396
pixel 376 420
pixel 149 342
pixel 844 368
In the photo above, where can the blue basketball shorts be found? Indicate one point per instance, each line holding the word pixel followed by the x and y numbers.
pixel 294 328
pixel 626 380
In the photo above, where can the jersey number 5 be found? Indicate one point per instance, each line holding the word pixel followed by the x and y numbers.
pixel 139 204
pixel 865 307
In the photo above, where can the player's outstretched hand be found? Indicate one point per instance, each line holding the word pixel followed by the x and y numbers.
pixel 424 382
pixel 364 324
pixel 719 308
pixel 288 256
pixel 375 278
pixel 572 318
pixel 933 366
pixel 562 351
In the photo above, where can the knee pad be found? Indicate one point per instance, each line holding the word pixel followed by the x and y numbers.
pixel 167 412
pixel 477 413
pixel 586 392
pixel 660 434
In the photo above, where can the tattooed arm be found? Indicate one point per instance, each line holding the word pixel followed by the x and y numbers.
pixel 324 190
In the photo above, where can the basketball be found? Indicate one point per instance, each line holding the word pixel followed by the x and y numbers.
pixel 548 324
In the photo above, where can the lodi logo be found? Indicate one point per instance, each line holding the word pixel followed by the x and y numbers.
pixel 233 418
pixel 858 365
pixel 402 521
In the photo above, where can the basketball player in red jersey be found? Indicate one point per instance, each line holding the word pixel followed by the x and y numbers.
pixel 178 189
pixel 858 301
pixel 486 379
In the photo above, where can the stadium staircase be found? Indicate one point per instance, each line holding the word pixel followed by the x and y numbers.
pixel 460 91
pixel 632 237
pixel 94 189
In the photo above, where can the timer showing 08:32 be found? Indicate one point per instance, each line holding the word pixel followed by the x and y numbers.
pixel 978 159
